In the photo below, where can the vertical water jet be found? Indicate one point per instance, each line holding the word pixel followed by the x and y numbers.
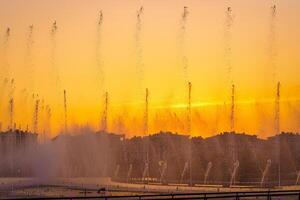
pixel 232 113
pixel 146 134
pixel 129 172
pixel 104 119
pixel 65 112
pixel 234 172
pixel 29 59
pixel 277 110
pixel 163 167
pixel 277 129
pixel 139 48
pixel 182 43
pixel 36 116
pixel 11 105
pixel 11 113
pixel 4 61
pixel 206 175
pixel 185 168
pixel 228 42
pixel 265 172
pixel 99 60
pixel 48 121
pixel 272 42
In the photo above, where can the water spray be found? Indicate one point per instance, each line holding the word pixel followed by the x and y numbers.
pixel 182 42
pixel 277 129
pixel 298 178
pixel 189 124
pixel 272 38
pixel 116 173
pixel 189 109
pixel 277 109
pixel 163 168
pixel 265 172
pixel 232 113
pixel 65 112
pixel 233 174
pixel 139 46
pixel 11 114
pixel 104 120
pixel 208 168
pixel 36 116
pixel 145 176
pixel 129 172
pixel 185 168
pixel 53 57
pixel 48 120
pixel 28 56
pixel 227 42
pixel 146 133
pixel 99 61
pixel 11 104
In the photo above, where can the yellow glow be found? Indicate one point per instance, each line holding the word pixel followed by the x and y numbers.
pixel 76 68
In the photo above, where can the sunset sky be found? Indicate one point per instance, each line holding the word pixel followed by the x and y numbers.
pixel 263 50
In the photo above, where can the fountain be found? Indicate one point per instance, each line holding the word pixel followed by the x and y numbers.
pixel 298 178
pixel 29 59
pixel 65 112
pixel 36 116
pixel 277 129
pixel 182 42
pixel 232 113
pixel 145 176
pixel 234 171
pixel 129 172
pixel 11 114
pixel 11 104
pixel 265 172
pixel 208 168
pixel 116 173
pixel 185 168
pixel 163 167
pixel 103 126
pixel 99 61
pixel 139 48
pixel 146 133
pixel 227 42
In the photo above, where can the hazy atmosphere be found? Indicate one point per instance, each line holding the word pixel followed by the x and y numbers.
pixel 122 53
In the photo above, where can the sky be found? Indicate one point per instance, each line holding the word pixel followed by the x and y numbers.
pixel 161 52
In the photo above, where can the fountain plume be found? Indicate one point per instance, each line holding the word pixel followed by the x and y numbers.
pixel 298 178
pixel 36 116
pixel 11 104
pixel 208 168
pixel 277 109
pixel 99 60
pixel 232 113
pixel 182 43
pixel 139 47
pixel 272 41
pixel 129 172
pixel 234 172
pixel 185 168
pixel 104 119
pixel 29 59
pixel 229 19
pixel 265 172
pixel 163 168
pixel 65 111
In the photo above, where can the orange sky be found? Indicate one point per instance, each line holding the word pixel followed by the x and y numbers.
pixel 252 42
